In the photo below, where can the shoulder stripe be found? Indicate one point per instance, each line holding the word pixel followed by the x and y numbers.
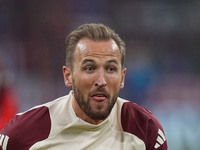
pixel 160 139
pixel 161 134
pixel 3 141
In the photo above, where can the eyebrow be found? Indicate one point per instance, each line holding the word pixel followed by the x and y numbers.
pixel 88 61
pixel 112 61
pixel 92 61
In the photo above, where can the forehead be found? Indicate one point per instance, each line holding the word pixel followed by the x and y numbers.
pixel 87 48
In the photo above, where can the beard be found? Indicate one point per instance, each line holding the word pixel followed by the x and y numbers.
pixel 84 104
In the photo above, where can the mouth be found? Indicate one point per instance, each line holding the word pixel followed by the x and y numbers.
pixel 99 96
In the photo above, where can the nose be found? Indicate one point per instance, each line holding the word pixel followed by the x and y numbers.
pixel 100 79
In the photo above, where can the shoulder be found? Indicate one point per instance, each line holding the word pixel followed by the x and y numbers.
pixel 136 112
pixel 131 111
pixel 34 125
pixel 27 128
pixel 140 122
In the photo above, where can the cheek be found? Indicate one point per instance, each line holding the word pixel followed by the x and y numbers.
pixel 114 83
pixel 82 82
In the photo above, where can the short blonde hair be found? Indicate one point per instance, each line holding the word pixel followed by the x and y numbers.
pixel 96 32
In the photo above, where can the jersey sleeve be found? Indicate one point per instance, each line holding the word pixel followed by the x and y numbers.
pixel 26 129
pixel 143 124
pixel 156 139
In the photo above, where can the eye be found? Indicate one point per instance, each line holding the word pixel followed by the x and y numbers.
pixel 89 69
pixel 111 69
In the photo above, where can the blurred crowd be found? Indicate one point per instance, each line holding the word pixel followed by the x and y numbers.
pixel 8 99
pixel 163 56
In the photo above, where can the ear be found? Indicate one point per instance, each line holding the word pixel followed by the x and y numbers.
pixel 67 74
pixel 123 78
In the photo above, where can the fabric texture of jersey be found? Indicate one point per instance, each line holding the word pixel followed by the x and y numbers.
pixel 54 126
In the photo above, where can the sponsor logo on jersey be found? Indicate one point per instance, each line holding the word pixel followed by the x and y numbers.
pixel 160 139
pixel 3 141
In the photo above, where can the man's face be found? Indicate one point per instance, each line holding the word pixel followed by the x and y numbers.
pixel 97 77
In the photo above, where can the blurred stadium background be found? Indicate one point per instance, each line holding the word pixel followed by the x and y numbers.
pixel 163 55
